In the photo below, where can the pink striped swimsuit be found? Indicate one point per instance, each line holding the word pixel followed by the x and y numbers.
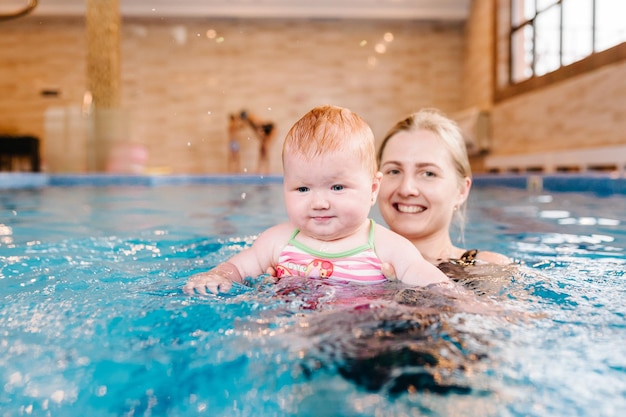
pixel 359 265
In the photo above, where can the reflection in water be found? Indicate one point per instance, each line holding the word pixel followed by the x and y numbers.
pixel 385 338
pixel 93 320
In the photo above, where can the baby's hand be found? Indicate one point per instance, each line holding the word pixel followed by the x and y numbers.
pixel 214 283
pixel 218 279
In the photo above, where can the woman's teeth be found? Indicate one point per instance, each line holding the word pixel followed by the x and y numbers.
pixel 402 208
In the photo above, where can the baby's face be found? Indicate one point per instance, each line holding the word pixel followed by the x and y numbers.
pixel 328 197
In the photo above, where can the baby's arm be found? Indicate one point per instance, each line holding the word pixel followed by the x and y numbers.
pixel 410 266
pixel 250 262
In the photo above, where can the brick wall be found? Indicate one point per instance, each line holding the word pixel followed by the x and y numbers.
pixel 587 111
pixel 179 82
pixel 178 85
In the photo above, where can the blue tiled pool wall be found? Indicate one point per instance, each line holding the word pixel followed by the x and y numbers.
pixel 33 180
pixel 594 183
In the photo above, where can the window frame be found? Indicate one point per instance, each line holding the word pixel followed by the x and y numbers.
pixel 503 72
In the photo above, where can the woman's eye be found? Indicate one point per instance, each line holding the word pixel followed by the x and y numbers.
pixel 392 172
pixel 429 174
pixel 302 189
pixel 337 187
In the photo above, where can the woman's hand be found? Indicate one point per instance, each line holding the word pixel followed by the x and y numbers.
pixel 389 272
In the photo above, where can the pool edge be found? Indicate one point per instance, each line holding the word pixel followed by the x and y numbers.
pixel 37 180
pixel 602 184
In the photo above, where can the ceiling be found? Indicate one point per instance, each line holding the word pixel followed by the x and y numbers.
pixel 352 9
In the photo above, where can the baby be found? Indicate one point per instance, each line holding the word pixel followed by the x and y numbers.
pixel 330 184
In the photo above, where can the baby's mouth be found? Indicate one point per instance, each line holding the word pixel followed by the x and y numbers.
pixel 403 208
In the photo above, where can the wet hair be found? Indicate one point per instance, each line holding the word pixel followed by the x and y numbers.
pixel 326 129
pixel 449 133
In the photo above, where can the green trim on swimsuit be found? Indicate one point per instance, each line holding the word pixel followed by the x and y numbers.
pixel 368 245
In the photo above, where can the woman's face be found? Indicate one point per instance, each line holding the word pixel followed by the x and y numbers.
pixel 420 187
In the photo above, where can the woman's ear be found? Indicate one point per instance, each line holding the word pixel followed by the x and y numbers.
pixel 376 186
pixel 464 190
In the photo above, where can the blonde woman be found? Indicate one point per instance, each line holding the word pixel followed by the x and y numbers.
pixel 425 185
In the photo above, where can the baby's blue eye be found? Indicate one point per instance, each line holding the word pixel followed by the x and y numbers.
pixel 337 187
pixel 302 189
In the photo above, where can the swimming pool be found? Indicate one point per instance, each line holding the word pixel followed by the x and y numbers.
pixel 93 321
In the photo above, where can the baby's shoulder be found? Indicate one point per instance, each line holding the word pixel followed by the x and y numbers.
pixel 277 234
pixel 385 232
pixel 385 238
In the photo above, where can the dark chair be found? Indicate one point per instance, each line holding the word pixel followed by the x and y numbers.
pixel 13 147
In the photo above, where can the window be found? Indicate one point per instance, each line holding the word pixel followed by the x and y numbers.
pixel 551 39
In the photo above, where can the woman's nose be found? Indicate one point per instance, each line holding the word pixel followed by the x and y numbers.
pixel 408 187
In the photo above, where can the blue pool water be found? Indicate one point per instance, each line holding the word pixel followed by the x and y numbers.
pixel 93 321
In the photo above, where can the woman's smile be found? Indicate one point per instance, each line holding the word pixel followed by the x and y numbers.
pixel 405 208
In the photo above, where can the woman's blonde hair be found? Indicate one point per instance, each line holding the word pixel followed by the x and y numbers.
pixel 326 129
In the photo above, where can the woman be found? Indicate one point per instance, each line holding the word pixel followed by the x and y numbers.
pixel 425 185
pixel 265 132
